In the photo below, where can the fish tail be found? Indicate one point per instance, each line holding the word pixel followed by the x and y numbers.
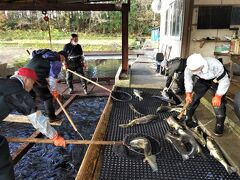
pixel 230 169
pixel 152 162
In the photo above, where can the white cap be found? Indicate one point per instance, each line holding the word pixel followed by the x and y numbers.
pixel 196 61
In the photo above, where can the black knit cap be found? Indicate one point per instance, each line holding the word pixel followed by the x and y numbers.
pixel 64 53
pixel 74 35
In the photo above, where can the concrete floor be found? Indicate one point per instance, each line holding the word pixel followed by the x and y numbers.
pixel 143 74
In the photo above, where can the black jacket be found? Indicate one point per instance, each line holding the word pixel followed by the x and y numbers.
pixel 14 97
pixel 75 53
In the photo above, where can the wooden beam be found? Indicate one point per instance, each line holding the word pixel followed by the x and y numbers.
pixel 23 119
pixel 186 38
pixel 23 149
pixel 89 163
pixel 125 11
pixel 59 6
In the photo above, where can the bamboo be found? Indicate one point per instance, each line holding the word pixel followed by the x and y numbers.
pixel 49 141
pixel 99 85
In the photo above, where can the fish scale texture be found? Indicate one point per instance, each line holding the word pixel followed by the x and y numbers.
pixel 170 163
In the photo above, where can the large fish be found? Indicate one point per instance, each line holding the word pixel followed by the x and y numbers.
pixel 144 143
pixel 217 154
pixel 134 109
pixel 141 120
pixel 163 108
pixel 138 93
pixel 178 145
pixel 198 136
pixel 185 137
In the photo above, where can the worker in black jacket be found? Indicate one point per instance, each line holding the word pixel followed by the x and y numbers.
pixel 14 96
pixel 176 68
pixel 75 62
pixel 47 64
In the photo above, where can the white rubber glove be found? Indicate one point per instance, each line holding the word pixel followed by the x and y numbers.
pixel 40 122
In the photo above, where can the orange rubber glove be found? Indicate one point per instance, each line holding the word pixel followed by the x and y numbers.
pixel 65 66
pixel 59 140
pixel 55 94
pixel 216 101
pixel 188 97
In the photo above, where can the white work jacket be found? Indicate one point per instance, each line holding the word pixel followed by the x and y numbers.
pixel 212 70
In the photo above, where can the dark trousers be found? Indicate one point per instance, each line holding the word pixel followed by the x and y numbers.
pixel 200 88
pixel 69 77
pixel 6 166
pixel 41 89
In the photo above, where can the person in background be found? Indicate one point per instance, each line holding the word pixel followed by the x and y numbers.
pixel 14 95
pixel 209 73
pixel 75 62
pixel 47 65
pixel 176 69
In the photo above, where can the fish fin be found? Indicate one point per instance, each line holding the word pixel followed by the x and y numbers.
pixel 123 125
pixel 231 169
pixel 185 157
pixel 152 162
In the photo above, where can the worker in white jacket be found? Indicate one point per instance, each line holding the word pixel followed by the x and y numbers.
pixel 209 73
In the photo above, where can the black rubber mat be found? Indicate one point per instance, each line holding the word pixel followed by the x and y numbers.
pixel 170 163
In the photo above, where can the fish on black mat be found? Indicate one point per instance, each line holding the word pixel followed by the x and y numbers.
pixel 134 109
pixel 166 108
pixel 141 120
pixel 185 137
pixel 217 154
pixel 138 94
pixel 177 144
pixel 144 143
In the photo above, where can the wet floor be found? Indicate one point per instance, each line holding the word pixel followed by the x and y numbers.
pixel 45 161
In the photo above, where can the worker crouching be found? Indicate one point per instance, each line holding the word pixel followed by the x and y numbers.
pixel 209 73
pixel 14 95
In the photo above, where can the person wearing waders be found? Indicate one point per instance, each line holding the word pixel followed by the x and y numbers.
pixel 209 73
pixel 75 62
pixel 14 95
pixel 47 64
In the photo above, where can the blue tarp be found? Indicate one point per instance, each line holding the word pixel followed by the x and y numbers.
pixel 155 35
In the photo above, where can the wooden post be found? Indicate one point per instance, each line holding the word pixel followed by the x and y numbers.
pixel 186 38
pixel 125 10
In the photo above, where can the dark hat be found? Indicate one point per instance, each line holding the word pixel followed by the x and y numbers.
pixel 64 53
pixel 74 35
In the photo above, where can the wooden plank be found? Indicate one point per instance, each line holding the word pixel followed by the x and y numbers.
pixel 88 166
pixel 59 6
pixel 23 149
pixel 23 119
pixel 67 103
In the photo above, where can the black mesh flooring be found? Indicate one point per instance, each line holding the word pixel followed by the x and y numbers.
pixel 170 163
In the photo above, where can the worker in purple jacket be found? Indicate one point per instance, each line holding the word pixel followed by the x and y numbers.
pixel 47 65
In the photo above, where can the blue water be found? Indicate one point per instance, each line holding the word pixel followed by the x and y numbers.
pixel 102 67
pixel 45 161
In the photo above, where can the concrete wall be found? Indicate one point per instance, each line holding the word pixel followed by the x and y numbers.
pixel 208 48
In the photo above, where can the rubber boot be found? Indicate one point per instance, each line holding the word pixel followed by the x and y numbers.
pixel 188 118
pixel 50 110
pixel 219 127
pixel 220 118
